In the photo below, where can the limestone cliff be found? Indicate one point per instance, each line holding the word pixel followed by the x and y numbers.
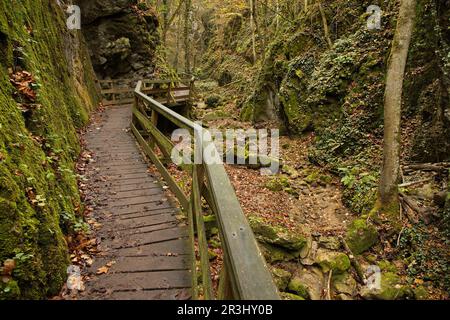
pixel 122 37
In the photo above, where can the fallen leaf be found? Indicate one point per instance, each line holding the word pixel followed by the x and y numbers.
pixel 102 270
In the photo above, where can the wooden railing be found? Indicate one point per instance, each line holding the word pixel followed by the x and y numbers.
pixel 245 275
pixel 169 92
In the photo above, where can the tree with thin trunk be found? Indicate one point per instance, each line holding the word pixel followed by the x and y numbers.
pixel 187 36
pixel 325 25
pixel 388 195
pixel 253 28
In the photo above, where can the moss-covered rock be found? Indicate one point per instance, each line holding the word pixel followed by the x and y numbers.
pixel 292 240
pixel 361 236
pixel 274 254
pixel 278 184
pixel 421 293
pixel 332 243
pixel 391 289
pixel 290 296
pixel 296 285
pixel 344 283
pixel 307 283
pixel 338 262
pixel 281 278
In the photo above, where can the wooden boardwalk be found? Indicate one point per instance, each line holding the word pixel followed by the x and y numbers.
pixel 141 237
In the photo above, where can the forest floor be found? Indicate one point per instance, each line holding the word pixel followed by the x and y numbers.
pixel 312 197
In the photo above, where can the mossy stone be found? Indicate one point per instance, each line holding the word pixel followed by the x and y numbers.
pixel 361 236
pixel 290 296
pixel 281 278
pixel 420 293
pixel 390 289
pixel 344 284
pixel 296 285
pixel 338 262
pixel 277 254
pixel 292 240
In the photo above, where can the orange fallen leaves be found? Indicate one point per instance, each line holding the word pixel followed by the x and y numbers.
pixel 24 81
pixel 105 268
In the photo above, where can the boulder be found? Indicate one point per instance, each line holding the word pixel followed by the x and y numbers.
pixel 281 278
pixel 308 284
pixel 292 240
pixel 361 236
pixel 390 289
pixel 344 284
pixel 338 262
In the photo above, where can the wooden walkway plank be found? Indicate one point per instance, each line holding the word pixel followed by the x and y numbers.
pixel 141 235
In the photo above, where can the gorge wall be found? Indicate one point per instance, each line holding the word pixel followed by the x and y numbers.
pixel 122 37
pixel 47 89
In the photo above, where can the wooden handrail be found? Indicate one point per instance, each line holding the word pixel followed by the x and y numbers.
pixel 120 91
pixel 245 275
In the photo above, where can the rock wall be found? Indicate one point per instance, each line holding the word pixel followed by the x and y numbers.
pixel 47 89
pixel 338 91
pixel 122 37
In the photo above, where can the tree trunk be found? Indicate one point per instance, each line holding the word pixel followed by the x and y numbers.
pixel 252 27
pixel 388 190
pixel 187 33
pixel 165 20
pixel 325 25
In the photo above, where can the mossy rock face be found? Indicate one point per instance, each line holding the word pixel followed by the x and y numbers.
pixel 361 236
pixel 338 262
pixel 391 289
pixel 281 278
pixel 39 198
pixel 278 236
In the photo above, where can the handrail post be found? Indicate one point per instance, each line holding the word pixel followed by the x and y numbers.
pixel 225 291
pixel 197 182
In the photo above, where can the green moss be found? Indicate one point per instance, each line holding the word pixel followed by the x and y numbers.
pixel 292 240
pixel 387 266
pixel 420 293
pixel 344 283
pixel 290 296
pixel 278 184
pixel 361 236
pixel 338 262
pixel 281 278
pixel 296 286
pixel 9 290
pixel 274 254
pixel 37 180
pixel 391 289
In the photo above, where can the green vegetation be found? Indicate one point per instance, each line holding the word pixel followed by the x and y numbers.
pixel 39 197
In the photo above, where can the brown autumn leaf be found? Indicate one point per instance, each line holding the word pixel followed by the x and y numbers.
pixel 105 268
pixel 102 270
